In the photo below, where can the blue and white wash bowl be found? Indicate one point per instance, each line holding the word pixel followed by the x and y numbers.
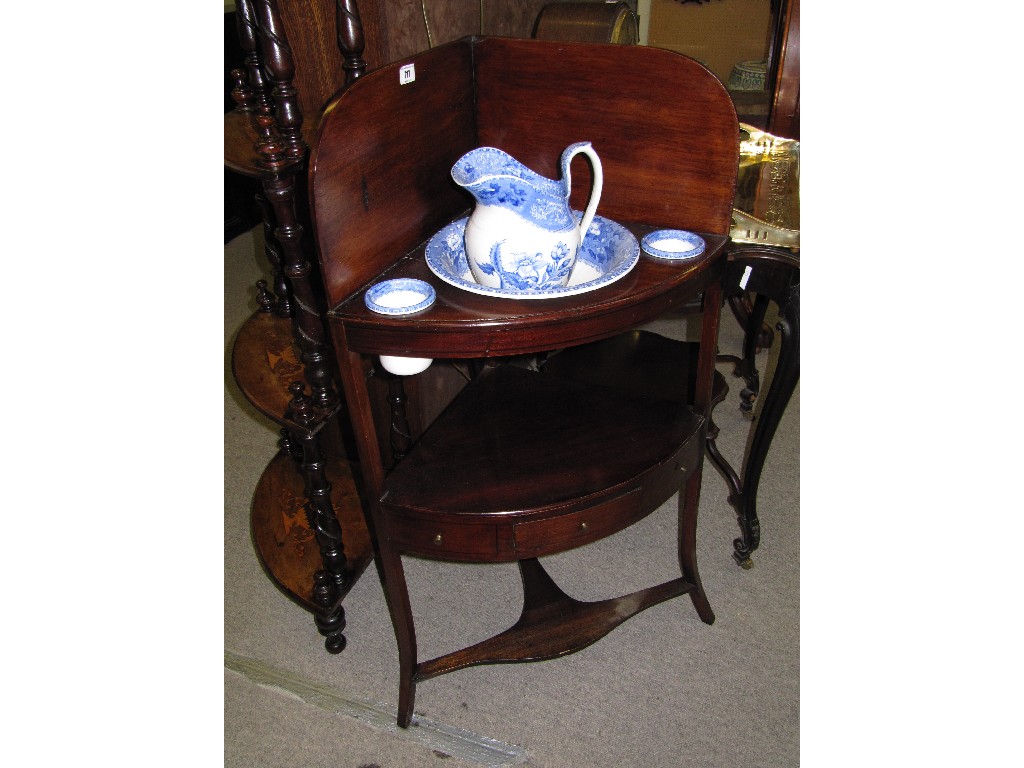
pixel 521 235
pixel 608 253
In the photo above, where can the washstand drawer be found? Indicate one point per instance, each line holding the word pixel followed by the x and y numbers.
pixel 442 539
pixel 555 534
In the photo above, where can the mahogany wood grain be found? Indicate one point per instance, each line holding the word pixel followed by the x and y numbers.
pixel 640 361
pixel 388 148
pixel 461 324
pixel 533 106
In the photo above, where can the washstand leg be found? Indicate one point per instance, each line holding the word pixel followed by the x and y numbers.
pixel 689 498
pixel 396 591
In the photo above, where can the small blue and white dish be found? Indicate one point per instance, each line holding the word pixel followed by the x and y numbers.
pixel 402 296
pixel 609 252
pixel 672 244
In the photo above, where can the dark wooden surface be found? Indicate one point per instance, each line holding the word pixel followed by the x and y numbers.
pixel 240 136
pixel 644 362
pixel 446 112
pixel 288 374
pixel 283 537
pixel 522 464
pixel 464 324
pixel 517 447
pixel 265 362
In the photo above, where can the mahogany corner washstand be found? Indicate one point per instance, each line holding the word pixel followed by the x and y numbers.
pixel 522 464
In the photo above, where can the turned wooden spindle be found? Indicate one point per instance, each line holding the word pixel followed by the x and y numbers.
pixel 320 512
pixel 248 36
pixel 282 288
pixel 300 407
pixel 331 582
pixel 401 435
pixel 330 622
pixel 306 318
pixel 280 69
pixel 241 92
pixel 350 39
pixel 264 297
pixel 284 443
pixel 318 490
pixel 281 156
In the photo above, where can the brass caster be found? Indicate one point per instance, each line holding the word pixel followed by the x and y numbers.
pixel 743 561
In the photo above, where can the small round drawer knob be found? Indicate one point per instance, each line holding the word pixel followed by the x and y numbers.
pixel 437 539
pixel 583 527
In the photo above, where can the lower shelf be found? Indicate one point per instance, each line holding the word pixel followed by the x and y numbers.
pixel 282 536
pixel 552 624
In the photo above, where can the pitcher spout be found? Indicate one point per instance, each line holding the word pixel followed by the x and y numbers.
pixel 485 169
pixel 497 180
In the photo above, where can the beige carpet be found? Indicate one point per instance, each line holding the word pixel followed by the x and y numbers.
pixel 663 689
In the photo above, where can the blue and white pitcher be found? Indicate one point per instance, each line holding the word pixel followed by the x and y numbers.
pixel 522 236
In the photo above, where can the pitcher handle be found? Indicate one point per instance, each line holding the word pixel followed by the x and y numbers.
pixel 595 190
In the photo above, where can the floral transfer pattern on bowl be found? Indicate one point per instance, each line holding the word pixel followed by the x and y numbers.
pixel 609 252
pixel 529 271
